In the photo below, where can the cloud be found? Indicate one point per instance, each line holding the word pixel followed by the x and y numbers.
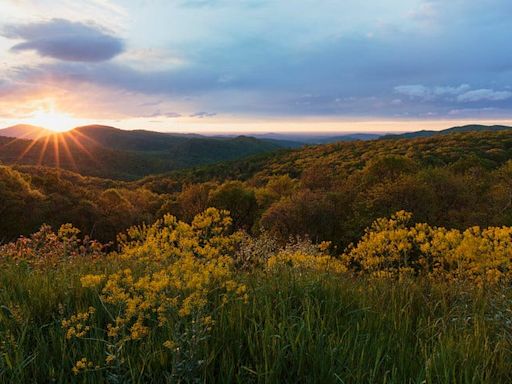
pixel 254 58
pixel 472 111
pixel 171 114
pixel 65 40
pixel 484 94
pixel 426 13
pixel 413 91
pixel 202 115
pixel 444 90
pixel 432 92
pixel 158 113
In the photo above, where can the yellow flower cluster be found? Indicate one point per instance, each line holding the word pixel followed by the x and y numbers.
pixel 82 365
pixel 391 248
pixel 76 325
pixel 174 269
pixel 303 261
pixel 91 281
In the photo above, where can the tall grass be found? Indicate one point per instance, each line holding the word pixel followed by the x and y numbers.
pixel 296 327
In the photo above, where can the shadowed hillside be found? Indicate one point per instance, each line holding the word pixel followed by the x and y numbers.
pixel 114 153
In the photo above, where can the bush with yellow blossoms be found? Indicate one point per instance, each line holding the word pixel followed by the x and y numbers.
pixel 177 270
pixel 392 248
pixel 302 255
pixel 47 249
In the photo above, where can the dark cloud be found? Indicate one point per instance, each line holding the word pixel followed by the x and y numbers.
pixel 180 82
pixel 65 40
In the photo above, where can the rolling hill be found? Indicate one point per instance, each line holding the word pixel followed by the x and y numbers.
pixel 114 153
pixel 25 131
pixel 105 151
pixel 458 179
pixel 295 140
pixel 490 148
pixel 464 128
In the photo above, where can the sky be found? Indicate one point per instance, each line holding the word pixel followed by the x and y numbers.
pixel 256 65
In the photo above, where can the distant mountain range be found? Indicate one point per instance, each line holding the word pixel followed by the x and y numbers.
pixel 294 140
pixel 464 128
pixel 98 150
pixel 110 152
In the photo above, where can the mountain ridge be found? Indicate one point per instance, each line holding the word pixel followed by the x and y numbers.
pixel 110 152
pixel 25 131
pixel 462 128
pixel 135 139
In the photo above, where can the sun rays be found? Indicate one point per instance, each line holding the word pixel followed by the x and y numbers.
pixel 54 120
pixel 62 150
pixel 52 140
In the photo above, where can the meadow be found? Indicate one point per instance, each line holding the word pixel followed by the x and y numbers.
pixel 202 302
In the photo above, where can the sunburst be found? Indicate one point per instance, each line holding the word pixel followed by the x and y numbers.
pixel 58 144
pixel 54 120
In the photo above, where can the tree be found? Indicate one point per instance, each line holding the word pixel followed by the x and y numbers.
pixel 239 200
pixel 20 204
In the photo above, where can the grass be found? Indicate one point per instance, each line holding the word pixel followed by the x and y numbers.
pixel 308 328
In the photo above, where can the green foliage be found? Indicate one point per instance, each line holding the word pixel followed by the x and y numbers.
pixel 329 192
pixel 238 199
pixel 316 328
pixel 32 196
pixel 19 203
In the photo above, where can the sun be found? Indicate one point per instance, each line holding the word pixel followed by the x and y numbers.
pixel 54 120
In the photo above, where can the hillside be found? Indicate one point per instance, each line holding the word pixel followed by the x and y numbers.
pixel 114 153
pixel 330 192
pixel 25 131
pixel 488 148
pixel 295 140
pixel 464 128
pixel 136 140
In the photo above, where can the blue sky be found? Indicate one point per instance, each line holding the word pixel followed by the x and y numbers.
pixel 218 65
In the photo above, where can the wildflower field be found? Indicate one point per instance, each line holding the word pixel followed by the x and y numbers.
pixel 201 302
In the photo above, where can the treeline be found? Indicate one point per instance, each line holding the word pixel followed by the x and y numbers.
pixel 329 192
pixel 31 196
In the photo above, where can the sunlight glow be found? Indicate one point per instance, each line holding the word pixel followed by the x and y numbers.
pixel 54 120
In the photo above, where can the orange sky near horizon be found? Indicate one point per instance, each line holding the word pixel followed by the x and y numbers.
pixel 58 121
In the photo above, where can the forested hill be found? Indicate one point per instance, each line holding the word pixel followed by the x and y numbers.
pixel 328 192
pixel 485 149
pixel 113 153
pixel 463 128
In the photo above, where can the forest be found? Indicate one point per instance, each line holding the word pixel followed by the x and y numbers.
pixel 328 192
pixel 381 261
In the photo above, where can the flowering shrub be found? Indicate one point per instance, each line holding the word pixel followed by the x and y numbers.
pixel 391 248
pixel 177 267
pixel 254 251
pixel 47 249
pixel 303 255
